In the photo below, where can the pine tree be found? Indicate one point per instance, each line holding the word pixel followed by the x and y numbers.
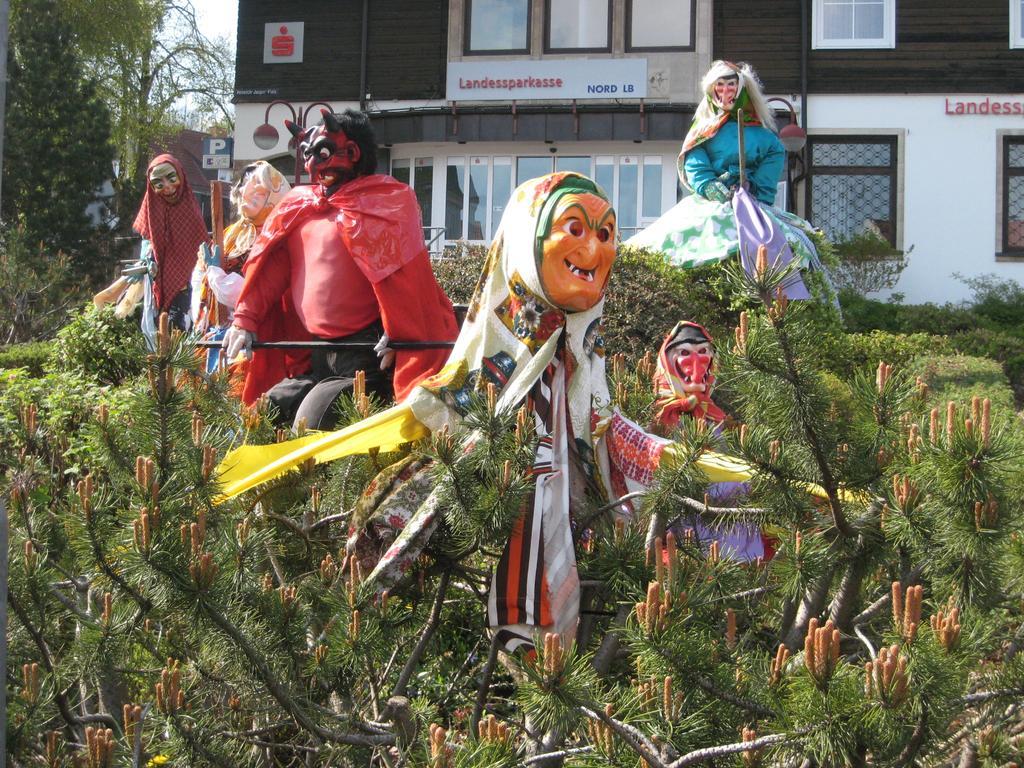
pixel 151 623
pixel 57 151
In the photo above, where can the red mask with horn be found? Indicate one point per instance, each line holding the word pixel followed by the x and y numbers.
pixel 330 155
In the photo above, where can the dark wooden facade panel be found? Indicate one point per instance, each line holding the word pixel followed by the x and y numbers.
pixel 408 49
pixel 941 46
pixel 330 66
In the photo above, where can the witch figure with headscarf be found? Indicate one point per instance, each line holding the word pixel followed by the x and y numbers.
pixel 732 161
pixel 533 333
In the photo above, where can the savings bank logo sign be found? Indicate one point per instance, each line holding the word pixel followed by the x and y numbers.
pixel 282 42
pixel 547 79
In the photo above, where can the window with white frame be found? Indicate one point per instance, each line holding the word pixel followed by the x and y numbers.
pixel 660 25
pixel 577 25
pixel 852 185
pixel 1017 23
pixel 854 23
pixel 1012 197
pixel 497 26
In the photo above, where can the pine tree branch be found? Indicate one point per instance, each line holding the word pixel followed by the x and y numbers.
pixel 485 685
pixel 708 686
pixel 849 587
pixel 708 753
pixel 983 696
pixel 634 739
pixel 883 602
pixel 60 697
pixel 810 606
pixel 828 481
pixel 428 632
pixel 276 690
pixel 610 642
pixel 913 746
pixel 560 754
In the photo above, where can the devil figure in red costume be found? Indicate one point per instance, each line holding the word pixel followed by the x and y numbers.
pixel 342 259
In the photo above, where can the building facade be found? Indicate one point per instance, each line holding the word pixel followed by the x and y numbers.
pixel 916 131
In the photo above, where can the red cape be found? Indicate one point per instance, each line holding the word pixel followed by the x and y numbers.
pixel 381 227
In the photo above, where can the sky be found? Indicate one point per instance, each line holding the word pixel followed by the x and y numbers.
pixel 217 18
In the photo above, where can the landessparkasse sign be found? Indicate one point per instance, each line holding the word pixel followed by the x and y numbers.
pixel 282 42
pixel 547 79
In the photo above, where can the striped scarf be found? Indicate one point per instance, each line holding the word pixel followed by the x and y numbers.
pixel 535 583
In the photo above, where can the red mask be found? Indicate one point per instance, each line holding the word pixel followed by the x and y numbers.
pixel 330 155
pixel 686 375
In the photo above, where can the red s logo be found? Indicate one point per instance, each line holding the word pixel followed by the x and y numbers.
pixel 283 44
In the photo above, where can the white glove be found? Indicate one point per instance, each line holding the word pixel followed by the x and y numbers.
pixel 385 354
pixel 238 341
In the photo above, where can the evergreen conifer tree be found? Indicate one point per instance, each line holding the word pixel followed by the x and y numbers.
pixel 57 151
pixel 152 625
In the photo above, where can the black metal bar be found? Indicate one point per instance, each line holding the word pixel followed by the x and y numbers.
pixel 335 345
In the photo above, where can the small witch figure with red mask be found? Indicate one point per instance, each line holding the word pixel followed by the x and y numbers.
pixel 172 229
pixel 684 380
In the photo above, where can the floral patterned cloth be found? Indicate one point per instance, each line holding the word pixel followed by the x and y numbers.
pixel 696 231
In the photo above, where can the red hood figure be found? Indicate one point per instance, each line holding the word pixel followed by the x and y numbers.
pixel 685 376
pixel 170 219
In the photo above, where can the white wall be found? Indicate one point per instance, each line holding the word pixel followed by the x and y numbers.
pixel 949 169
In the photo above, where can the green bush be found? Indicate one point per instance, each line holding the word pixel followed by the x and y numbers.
pixel 844 352
pixel 32 355
pixel 1003 346
pixel 646 297
pixel 999 302
pixel 98 345
pixel 959 378
pixel 861 314
pixel 64 402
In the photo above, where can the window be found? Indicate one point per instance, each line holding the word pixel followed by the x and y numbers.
pixel 419 175
pixel 577 26
pixel 1012 208
pixel 1017 23
pixel 502 191
pixel 660 25
pixel 423 183
pixel 851 185
pixel 650 207
pixel 854 23
pixel 497 26
pixel 455 199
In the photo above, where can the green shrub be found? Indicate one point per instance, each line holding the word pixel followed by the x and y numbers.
pixel 64 402
pixel 458 273
pixel 861 314
pixel 646 297
pixel 867 263
pixel 959 378
pixel 32 355
pixel 999 302
pixel 98 345
pixel 844 352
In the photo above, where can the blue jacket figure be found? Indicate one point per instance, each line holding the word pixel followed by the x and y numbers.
pixel 718 160
pixel 725 217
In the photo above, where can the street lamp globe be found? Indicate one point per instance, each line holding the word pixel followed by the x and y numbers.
pixel 266 136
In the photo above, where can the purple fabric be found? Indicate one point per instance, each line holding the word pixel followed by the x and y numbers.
pixel 755 229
